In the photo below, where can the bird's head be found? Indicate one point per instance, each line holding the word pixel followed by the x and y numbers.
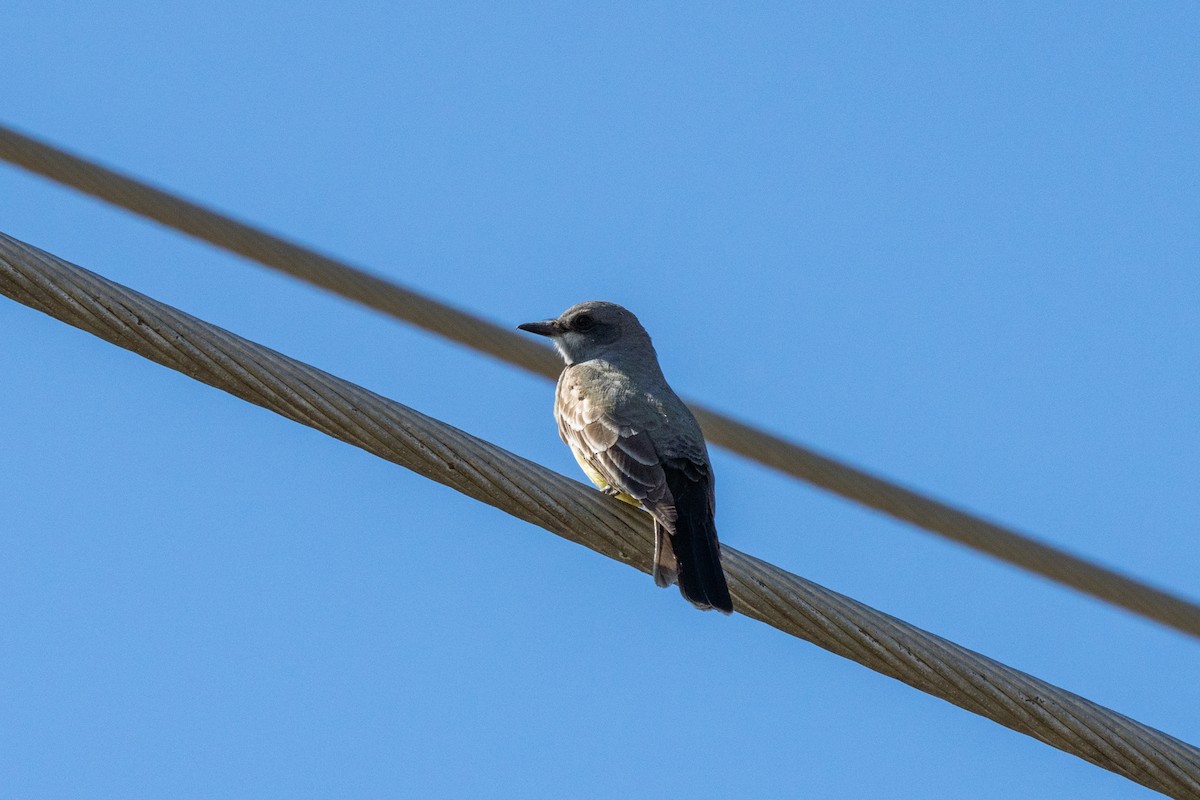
pixel 594 329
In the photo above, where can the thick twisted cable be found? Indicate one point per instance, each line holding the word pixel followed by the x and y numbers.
pixel 382 295
pixel 565 507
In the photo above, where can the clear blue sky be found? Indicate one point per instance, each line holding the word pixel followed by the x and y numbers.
pixel 956 246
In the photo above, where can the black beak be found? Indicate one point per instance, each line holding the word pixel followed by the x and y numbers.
pixel 547 327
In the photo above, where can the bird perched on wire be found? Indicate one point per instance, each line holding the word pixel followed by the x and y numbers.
pixel 635 439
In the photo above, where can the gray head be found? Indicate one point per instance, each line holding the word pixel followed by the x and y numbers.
pixel 595 329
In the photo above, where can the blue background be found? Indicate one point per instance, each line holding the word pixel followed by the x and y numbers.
pixel 957 246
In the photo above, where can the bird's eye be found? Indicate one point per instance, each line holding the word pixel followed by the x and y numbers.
pixel 584 323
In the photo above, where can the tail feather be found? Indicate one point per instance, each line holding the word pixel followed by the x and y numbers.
pixel 666 568
pixel 694 544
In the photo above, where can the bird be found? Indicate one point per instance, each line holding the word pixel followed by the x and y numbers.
pixel 637 441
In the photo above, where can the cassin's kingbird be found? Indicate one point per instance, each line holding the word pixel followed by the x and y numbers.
pixel 636 439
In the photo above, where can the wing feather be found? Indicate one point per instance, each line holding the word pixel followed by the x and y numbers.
pixel 621 452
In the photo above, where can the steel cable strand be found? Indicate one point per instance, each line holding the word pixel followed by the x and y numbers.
pixel 551 501
pixel 969 680
pixel 327 417
pixel 839 626
pixel 207 354
pixel 118 319
pixel 787 457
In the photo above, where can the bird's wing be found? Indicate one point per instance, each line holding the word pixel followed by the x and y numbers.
pixel 619 456
pixel 621 452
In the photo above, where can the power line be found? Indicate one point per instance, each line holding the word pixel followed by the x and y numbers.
pixel 753 443
pixel 535 494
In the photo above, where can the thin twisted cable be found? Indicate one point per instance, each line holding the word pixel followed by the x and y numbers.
pixel 788 457
pixel 565 507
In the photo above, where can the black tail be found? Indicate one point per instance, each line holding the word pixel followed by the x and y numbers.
pixel 697 552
